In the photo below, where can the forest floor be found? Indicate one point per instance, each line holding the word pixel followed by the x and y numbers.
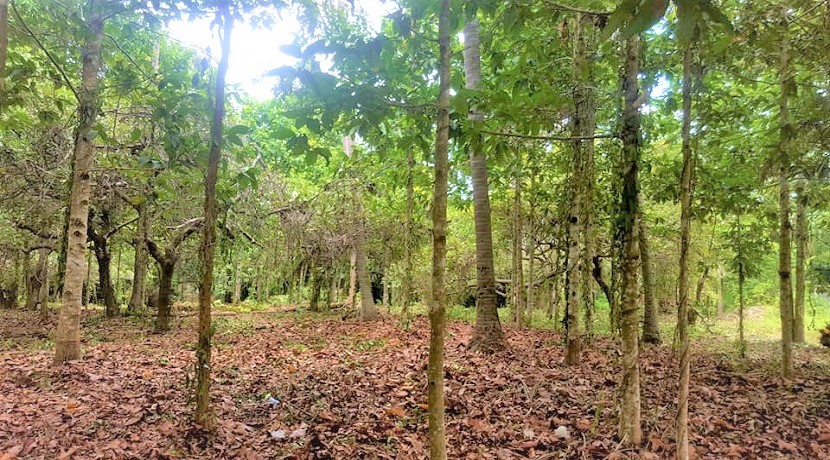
pixel 296 385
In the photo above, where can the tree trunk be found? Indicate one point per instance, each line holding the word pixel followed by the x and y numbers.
pixel 518 268
pixel 630 430
pixel 488 333
pixel 406 282
pixel 682 418
pixel 584 125
pixel 104 259
pixel 237 283
pixel 651 330
pixel 787 85
pixel 204 416
pixel 4 47
pixel 386 304
pixel 332 298
pixel 721 306
pixel 741 306
pixel 694 312
pixel 438 306
pixel 316 287
pixel 68 332
pixel 165 292
pixel 141 260
pixel 801 241
pixel 352 278
pixel 368 311
pixel 37 295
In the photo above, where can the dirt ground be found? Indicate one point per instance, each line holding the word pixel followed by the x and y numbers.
pixel 289 385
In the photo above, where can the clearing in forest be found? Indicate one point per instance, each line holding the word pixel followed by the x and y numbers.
pixel 292 385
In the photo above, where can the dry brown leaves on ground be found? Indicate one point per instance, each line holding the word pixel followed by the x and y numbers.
pixel 315 388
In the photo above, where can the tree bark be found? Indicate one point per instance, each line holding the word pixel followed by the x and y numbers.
pixel 651 330
pixel 4 47
pixel 787 85
pixel 352 278
pixel 487 334
pixel 368 311
pixel 167 266
pixel 438 306
pixel 406 282
pixel 316 287
pixel 68 332
pixel 801 242
pixel 204 415
pixel 630 430
pixel 518 266
pixel 584 126
pixel 682 418
pixel 37 295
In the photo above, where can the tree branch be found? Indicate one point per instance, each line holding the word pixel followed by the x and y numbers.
pixel 552 138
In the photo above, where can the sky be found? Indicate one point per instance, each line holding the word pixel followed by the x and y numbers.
pixel 256 51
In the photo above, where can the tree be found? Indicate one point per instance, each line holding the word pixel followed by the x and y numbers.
pixel 438 304
pixel 207 250
pixel 68 333
pixel 785 300
pixel 630 430
pixel 488 334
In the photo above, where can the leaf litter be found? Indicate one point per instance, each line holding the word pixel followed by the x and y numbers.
pixel 323 388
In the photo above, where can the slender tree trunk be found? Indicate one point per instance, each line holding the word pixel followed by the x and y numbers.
pixel 488 333
pixel 237 283
pixel 438 306
pixel 801 239
pixel 37 282
pixel 332 298
pixel 721 306
pixel 531 275
pixel 352 278
pixel 163 316
pixel 741 306
pixel 104 259
pixel 651 330
pixel 204 416
pixel 316 287
pixel 368 311
pixel 584 125
pixel 68 333
pixel 386 304
pixel 630 430
pixel 406 282
pixel 518 269
pixel 682 418
pixel 4 47
pixel 787 85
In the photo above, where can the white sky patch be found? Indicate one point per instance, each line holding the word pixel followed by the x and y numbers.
pixel 254 52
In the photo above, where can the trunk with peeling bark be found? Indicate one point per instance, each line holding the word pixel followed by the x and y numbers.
pixel 488 333
pixel 630 430
pixel 438 304
pixel 203 415
pixel 68 333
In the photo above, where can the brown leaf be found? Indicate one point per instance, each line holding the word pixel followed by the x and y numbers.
pixel 396 411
